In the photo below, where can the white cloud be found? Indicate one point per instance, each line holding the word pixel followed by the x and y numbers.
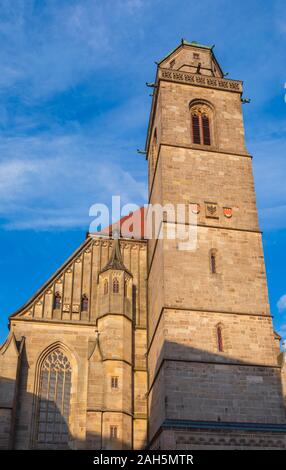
pixel 281 304
pixel 50 48
pixel 50 182
pixel 53 169
pixel 47 50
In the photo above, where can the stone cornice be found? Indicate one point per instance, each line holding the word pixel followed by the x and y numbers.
pixel 189 78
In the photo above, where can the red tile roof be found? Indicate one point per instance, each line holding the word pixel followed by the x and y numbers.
pixel 131 225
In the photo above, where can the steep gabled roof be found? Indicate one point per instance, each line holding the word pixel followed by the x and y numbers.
pixel 115 260
pixel 185 43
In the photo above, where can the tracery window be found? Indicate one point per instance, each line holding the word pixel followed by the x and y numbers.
pixel 115 286
pixel 201 124
pixel 54 400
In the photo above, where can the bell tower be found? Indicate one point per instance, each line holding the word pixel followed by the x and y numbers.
pixel 214 378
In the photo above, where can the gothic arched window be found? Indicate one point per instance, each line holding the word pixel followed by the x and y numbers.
pixel 115 286
pixel 201 123
pixel 213 262
pixel 219 338
pixel 57 300
pixel 54 401
pixel 84 303
pixel 105 287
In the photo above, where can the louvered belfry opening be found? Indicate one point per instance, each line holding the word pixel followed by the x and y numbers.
pixel 196 129
pixel 201 124
pixel 206 130
pixel 54 401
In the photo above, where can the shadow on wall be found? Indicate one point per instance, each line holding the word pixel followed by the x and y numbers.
pixel 189 389
pixel 196 390
pixel 49 430
pixel 42 420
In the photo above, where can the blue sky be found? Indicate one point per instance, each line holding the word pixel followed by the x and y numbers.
pixel 74 109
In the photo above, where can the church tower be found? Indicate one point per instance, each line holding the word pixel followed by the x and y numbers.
pixel 214 377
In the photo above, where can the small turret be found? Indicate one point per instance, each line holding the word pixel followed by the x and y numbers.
pixel 115 326
pixel 115 285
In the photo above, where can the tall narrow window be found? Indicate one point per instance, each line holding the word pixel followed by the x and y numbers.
pixel 84 303
pixel 213 262
pixel 57 301
pixel 114 382
pixel 115 286
pixel 219 338
pixel 113 432
pixel 154 150
pixel 105 287
pixel 206 130
pixel 125 288
pixel 53 410
pixel 196 129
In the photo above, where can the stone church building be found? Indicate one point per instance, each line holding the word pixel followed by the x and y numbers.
pixel 136 344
